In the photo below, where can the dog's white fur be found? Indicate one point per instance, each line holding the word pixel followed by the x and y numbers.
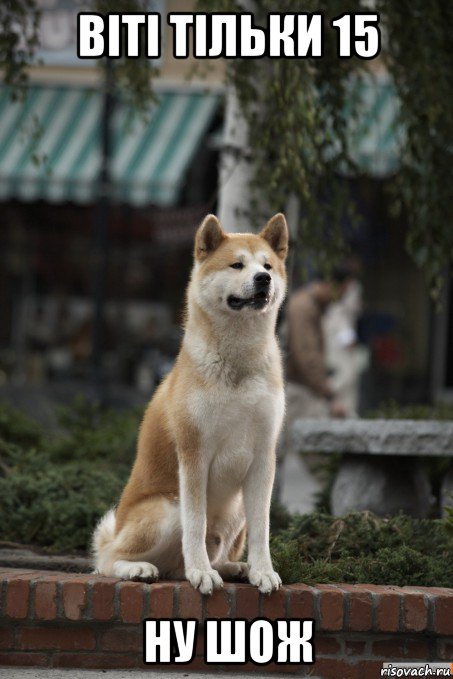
pixel 206 452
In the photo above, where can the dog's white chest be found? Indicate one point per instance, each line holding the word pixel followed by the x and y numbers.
pixel 235 424
pixel 225 413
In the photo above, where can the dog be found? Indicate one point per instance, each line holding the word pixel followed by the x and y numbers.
pixel 205 463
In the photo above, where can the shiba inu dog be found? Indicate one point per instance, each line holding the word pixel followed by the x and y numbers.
pixel 205 462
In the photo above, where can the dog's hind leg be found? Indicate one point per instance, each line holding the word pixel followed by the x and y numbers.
pixel 231 546
pixel 146 543
pixel 238 545
pixel 232 568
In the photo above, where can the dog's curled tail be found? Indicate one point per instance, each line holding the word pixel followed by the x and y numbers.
pixel 103 537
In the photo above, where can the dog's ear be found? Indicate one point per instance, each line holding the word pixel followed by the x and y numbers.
pixel 208 238
pixel 276 234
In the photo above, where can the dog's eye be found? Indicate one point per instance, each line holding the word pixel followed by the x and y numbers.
pixel 237 265
pixel 268 267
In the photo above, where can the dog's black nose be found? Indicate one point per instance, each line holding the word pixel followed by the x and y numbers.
pixel 262 279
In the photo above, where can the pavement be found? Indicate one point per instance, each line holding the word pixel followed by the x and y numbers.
pixel 71 673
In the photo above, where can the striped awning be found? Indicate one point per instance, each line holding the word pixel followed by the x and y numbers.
pixel 50 145
pixel 375 137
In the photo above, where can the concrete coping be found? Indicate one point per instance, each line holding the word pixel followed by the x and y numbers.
pixel 373 437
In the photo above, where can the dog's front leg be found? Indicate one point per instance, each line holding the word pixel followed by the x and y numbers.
pixel 193 487
pixel 257 501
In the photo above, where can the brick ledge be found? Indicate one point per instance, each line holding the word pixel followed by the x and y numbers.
pixel 55 619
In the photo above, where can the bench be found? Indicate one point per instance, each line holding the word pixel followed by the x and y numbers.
pixel 381 468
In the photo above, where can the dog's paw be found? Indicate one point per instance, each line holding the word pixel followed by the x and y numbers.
pixel 135 570
pixel 204 580
pixel 234 569
pixel 266 581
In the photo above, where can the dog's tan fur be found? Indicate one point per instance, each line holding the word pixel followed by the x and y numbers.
pixel 206 450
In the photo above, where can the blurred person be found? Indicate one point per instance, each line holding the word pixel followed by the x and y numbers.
pixel 346 359
pixel 309 391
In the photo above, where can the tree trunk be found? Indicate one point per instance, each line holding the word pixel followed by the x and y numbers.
pixel 236 169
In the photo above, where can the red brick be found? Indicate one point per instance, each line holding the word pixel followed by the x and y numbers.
pixel 247 601
pixel 66 639
pixel 289 670
pixel 24 659
pixel 218 604
pixel 6 637
pixel 96 661
pixel 122 639
pixel 326 645
pixel 251 669
pixel 444 615
pixel 330 668
pixel 273 605
pixel 161 605
pixel 189 602
pixel 417 650
pixel 444 649
pixel 103 602
pixel 434 591
pixel 302 601
pixel 353 647
pixel 199 664
pixel 331 608
pixel 415 612
pixel 402 648
pixel 388 612
pixel 199 646
pixel 74 599
pixel 18 596
pixel 132 602
pixel 360 611
pixel 369 669
pixel 389 648
pixel 53 576
pixel 46 600
pixel 84 578
pixel 6 573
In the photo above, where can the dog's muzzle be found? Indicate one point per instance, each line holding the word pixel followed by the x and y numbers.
pixel 260 298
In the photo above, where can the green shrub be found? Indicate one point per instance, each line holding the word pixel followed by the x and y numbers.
pixel 54 506
pixel 361 547
pixel 92 433
pixel 53 490
pixel 16 427
pixel 392 410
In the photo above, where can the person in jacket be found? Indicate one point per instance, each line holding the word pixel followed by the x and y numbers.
pixel 309 392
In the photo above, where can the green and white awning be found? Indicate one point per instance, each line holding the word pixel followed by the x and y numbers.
pixel 374 135
pixel 50 145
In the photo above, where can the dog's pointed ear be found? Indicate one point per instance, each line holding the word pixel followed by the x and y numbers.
pixel 208 238
pixel 276 234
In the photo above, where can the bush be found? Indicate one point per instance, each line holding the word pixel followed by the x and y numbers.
pixel 361 547
pixel 15 427
pixel 391 410
pixel 54 489
pixel 91 433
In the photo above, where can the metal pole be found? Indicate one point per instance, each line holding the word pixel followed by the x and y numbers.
pixel 101 227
